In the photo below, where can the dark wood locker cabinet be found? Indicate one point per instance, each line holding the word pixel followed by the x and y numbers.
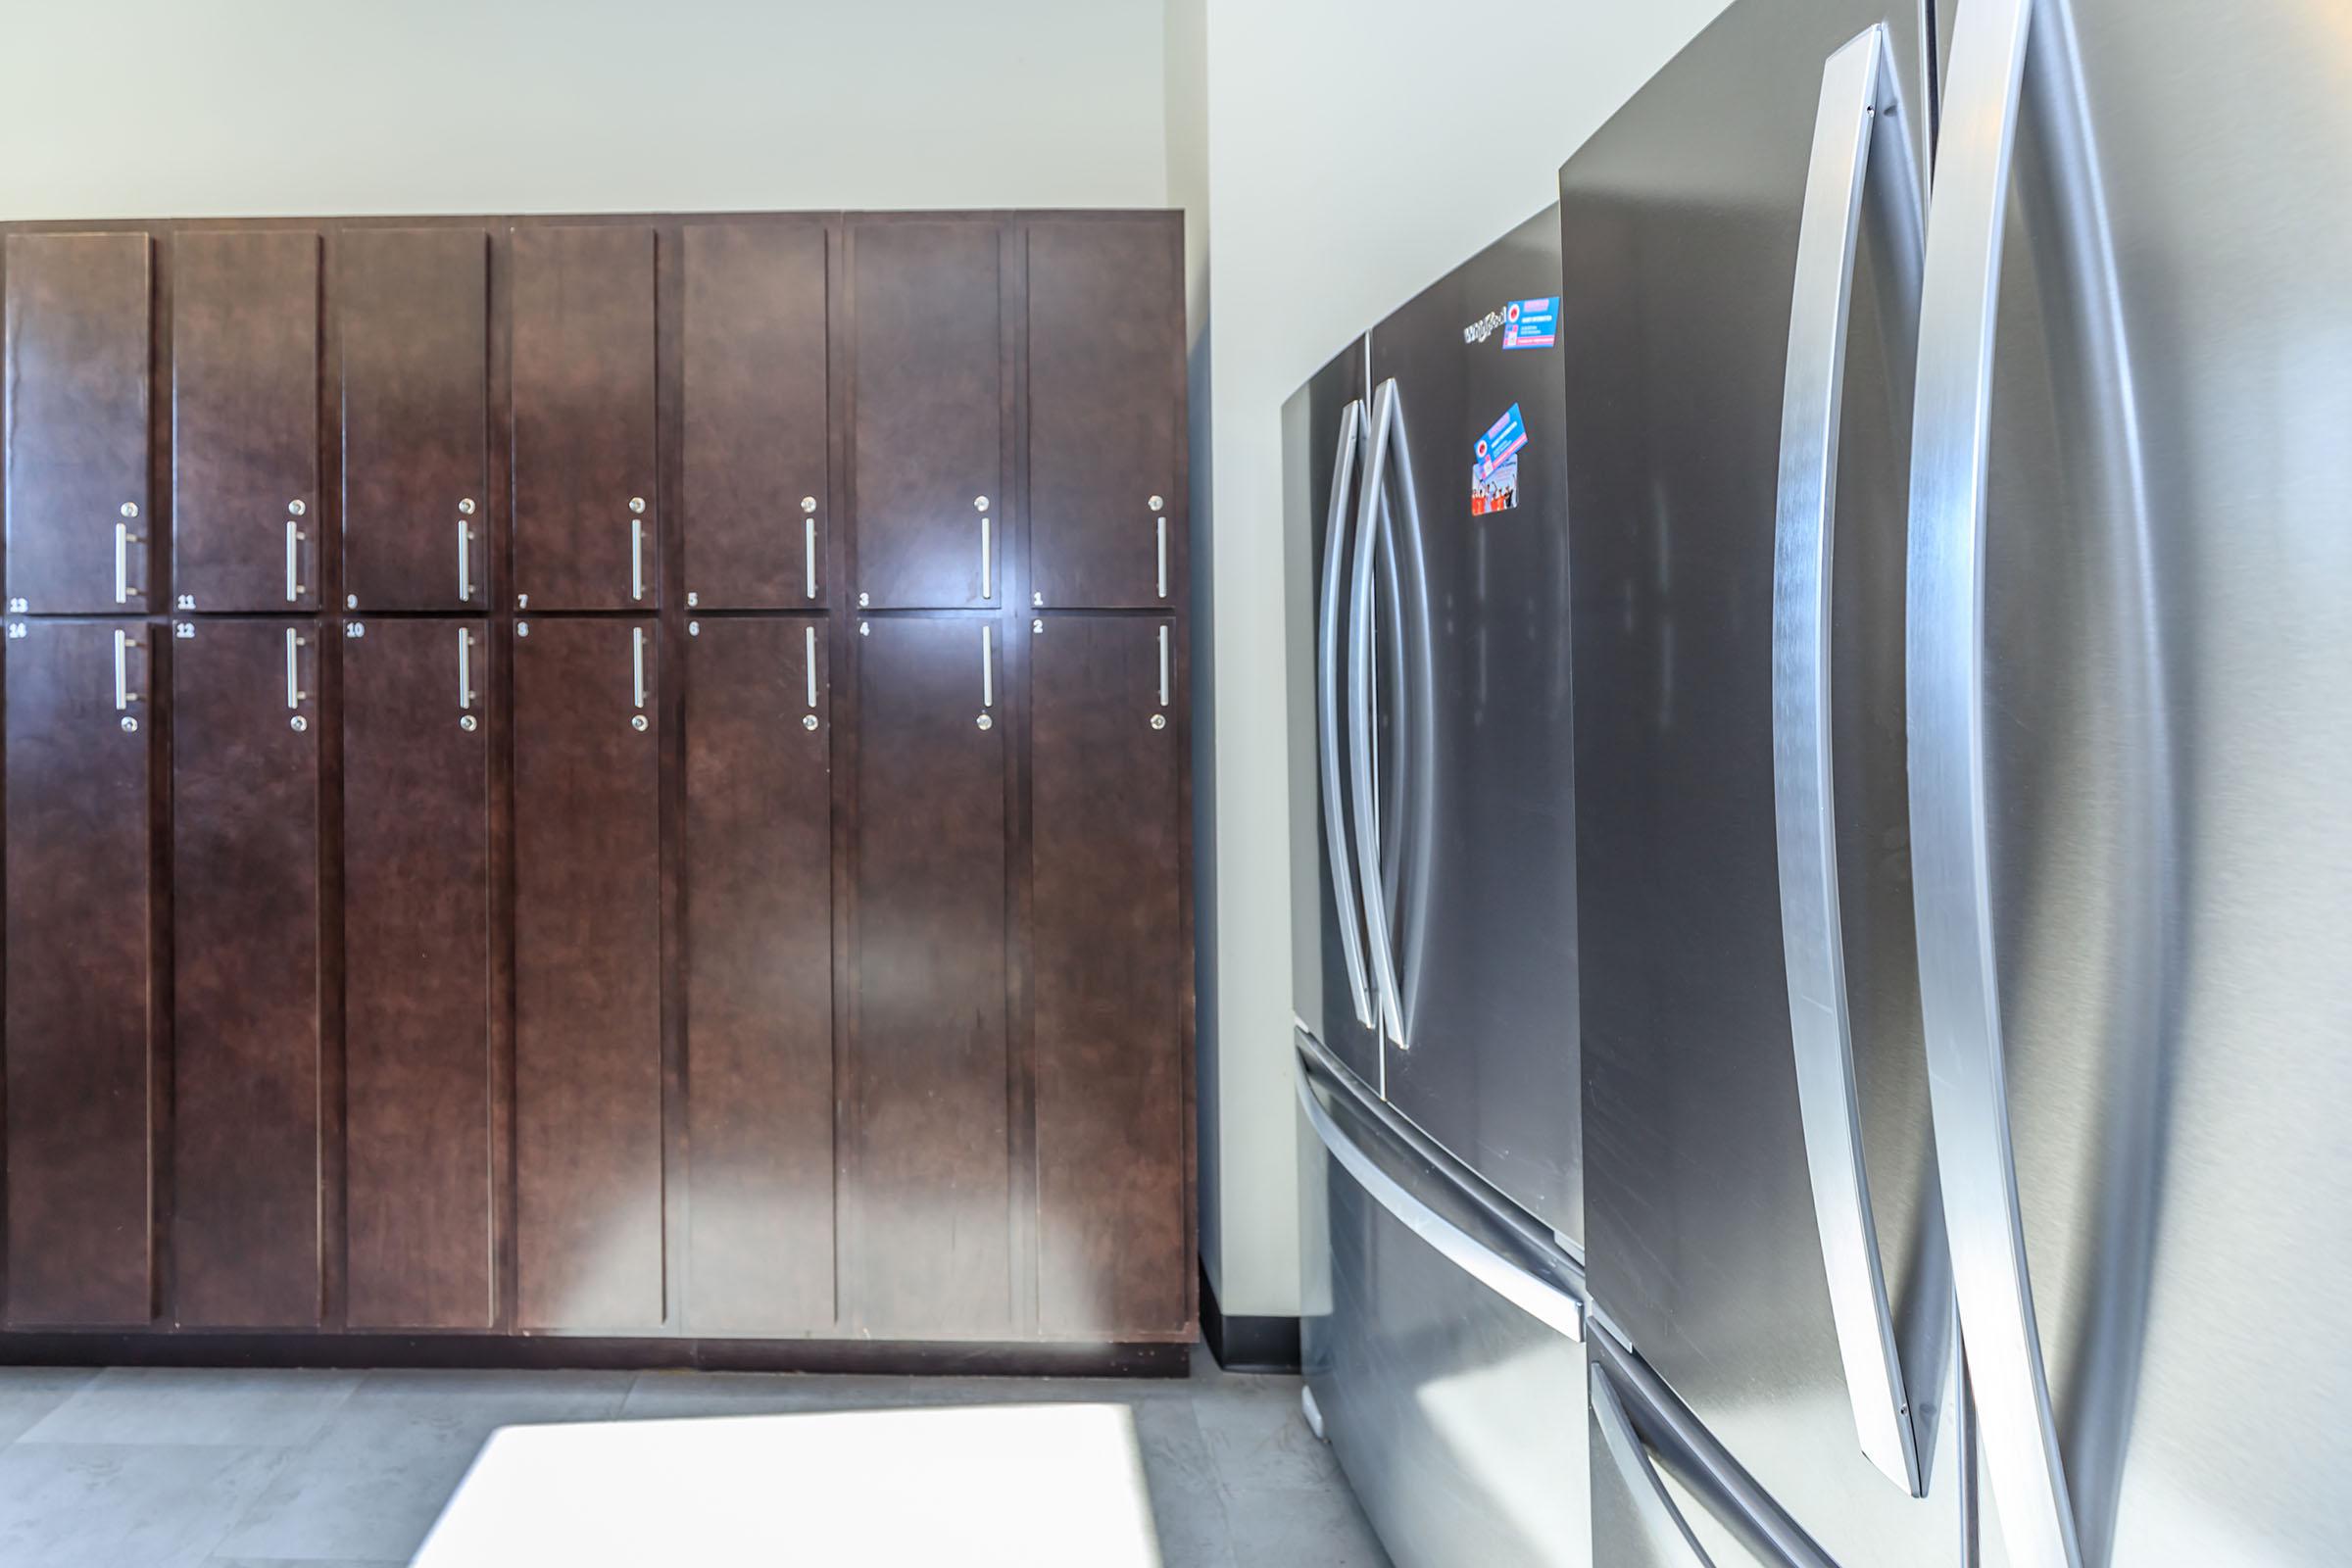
pixel 413 318
pixel 588 975
pixel 245 527
pixel 1106 410
pixel 75 434
pixel 755 414
pixel 416 973
pixel 927 413
pixel 245 973
pixel 759 976
pixel 79 1129
pixel 1108 959
pixel 928 1179
pixel 587 509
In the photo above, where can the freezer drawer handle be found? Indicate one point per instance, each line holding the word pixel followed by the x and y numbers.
pixel 1364 790
pixel 1547 1303
pixel 1861 154
pixel 2002 50
pixel 1327 710
pixel 1669 1533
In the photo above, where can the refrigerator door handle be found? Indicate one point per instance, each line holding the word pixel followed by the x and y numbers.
pixel 1662 1522
pixel 1858 142
pixel 1547 1302
pixel 1327 710
pixel 1950 844
pixel 1359 740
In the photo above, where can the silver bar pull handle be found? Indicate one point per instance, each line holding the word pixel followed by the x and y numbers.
pixel 809 547
pixel 987 666
pixel 1858 104
pixel 293 668
pixel 121 671
pixel 464 562
pixel 810 660
pixel 464 670
pixel 1163 666
pixel 1365 787
pixel 293 561
pixel 1540 1299
pixel 1161 525
pixel 1329 597
pixel 637 666
pixel 122 563
pixel 637 560
pixel 1950 839
pixel 1669 1533
pixel 987 562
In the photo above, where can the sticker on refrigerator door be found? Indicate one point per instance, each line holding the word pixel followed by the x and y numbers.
pixel 1496 489
pixel 1502 440
pixel 1532 324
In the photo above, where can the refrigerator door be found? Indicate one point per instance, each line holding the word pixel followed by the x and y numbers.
pixel 1323 429
pixel 2133 852
pixel 1478 821
pixel 1442 1342
pixel 1706 1203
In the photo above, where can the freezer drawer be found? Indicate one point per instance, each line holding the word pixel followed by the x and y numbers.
pixel 1458 1415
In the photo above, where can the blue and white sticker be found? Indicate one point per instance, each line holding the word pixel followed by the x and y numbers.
pixel 1502 440
pixel 1532 324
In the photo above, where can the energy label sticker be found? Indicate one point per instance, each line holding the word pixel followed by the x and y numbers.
pixel 1532 324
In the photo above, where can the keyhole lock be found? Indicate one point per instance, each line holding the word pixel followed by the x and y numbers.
pixel 985 722
pixel 299 723
pixel 1159 721
pixel 807 722
pixel 637 722
pixel 131 725
pixel 637 506
pixel 466 722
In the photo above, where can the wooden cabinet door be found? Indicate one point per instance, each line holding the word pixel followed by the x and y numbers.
pixel 927 394
pixel 80 1133
pixel 245 973
pixel 416 973
pixel 1108 961
pixel 587 514
pixel 74 385
pixel 759 976
pixel 413 316
pixel 245 421
pixel 928 1173
pixel 587 974
pixel 755 410
pixel 1106 410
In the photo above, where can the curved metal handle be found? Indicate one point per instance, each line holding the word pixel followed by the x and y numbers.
pixel 121 562
pixel 1540 1299
pixel 809 659
pixel 1163 664
pixel 293 563
pixel 988 665
pixel 1327 710
pixel 1161 527
pixel 1858 105
pixel 1364 788
pixel 464 670
pixel 809 549
pixel 637 666
pixel 987 562
pixel 1950 855
pixel 464 562
pixel 294 691
pixel 1662 1522
pixel 636 559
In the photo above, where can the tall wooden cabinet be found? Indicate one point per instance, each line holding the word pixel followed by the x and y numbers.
pixel 597 789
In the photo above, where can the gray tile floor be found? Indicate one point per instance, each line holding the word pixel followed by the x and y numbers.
pixel 205 1469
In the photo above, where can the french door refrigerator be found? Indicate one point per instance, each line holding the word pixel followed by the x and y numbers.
pixel 1434 933
pixel 1961 735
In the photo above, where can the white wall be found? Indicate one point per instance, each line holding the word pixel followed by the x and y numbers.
pixel 1356 150
pixel 209 108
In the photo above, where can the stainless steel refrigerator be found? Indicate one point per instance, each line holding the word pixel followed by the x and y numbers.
pixel 1964 851
pixel 1434 933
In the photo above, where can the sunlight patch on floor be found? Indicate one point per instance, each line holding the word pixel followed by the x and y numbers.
pixel 1040 1485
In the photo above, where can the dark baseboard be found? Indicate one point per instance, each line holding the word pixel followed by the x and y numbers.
pixel 1247 1344
pixel 1035 1358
